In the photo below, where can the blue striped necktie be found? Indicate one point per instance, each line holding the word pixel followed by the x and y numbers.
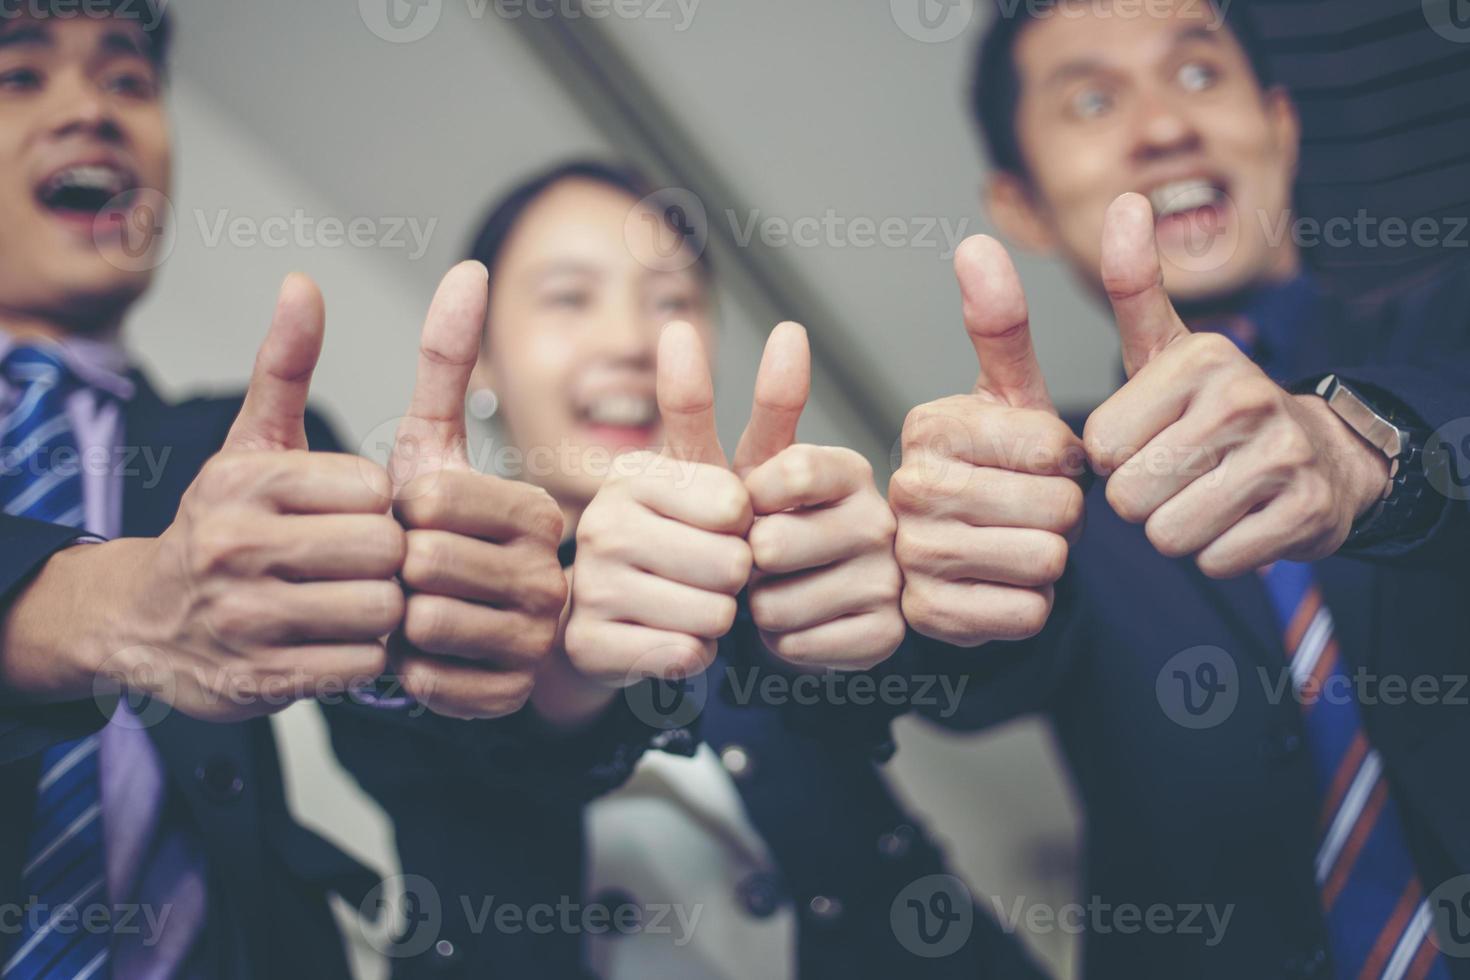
pixel 1378 918
pixel 65 871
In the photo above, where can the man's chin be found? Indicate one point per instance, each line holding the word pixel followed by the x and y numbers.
pixel 94 295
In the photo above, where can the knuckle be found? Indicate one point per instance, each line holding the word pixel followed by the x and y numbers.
pixel 926 613
pixel 1124 501
pixel 917 551
pixel 1211 348
pixel 799 466
pixel 878 524
pixel 909 489
pixel 1051 560
pixel 219 546
pixel 1166 540
pixel 739 565
pixel 1032 609
pixel 230 475
pixel 426 622
pixel 684 657
pixel 426 560
pixel 1249 400
pixel 233 616
pixel 767 543
pixel 387 605
pixel 544 519
pixel 729 506
pixel 1068 507
pixel 716 617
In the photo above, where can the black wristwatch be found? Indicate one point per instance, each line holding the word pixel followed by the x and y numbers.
pixel 1409 507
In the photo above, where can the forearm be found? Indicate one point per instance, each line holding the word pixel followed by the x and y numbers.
pixel 62 626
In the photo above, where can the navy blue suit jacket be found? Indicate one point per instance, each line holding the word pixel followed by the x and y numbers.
pixel 1225 813
pixel 268 876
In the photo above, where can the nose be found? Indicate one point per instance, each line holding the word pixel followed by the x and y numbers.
pixel 630 335
pixel 80 107
pixel 1164 128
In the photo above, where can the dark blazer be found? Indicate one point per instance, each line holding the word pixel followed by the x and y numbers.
pixel 1224 813
pixel 496 809
pixel 268 877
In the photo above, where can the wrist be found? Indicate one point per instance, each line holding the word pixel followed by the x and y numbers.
pixel 62 627
pixel 1363 470
pixel 566 700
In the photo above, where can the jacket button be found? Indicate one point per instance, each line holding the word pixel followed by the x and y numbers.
pixel 737 761
pixel 444 957
pixel 219 780
pixel 825 909
pixel 897 843
pixel 760 893
pixel 1311 964
pixel 1275 748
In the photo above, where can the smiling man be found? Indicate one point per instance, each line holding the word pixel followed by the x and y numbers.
pixel 144 830
pixel 1267 568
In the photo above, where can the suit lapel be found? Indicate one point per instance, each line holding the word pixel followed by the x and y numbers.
pixel 1243 603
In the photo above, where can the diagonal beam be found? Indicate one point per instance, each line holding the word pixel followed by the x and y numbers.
pixel 610 91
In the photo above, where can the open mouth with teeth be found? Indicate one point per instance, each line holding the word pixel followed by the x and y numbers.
pixel 84 193
pixel 620 420
pixel 1197 197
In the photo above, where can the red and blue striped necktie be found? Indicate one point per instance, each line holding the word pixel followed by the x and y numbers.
pixel 1378 918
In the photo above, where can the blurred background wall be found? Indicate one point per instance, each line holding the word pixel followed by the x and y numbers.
pixel 802 126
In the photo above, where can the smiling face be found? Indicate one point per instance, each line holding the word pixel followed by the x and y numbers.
pixel 578 297
pixel 1166 105
pixel 82 133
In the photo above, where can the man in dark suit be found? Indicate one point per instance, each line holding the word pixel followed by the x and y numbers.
pixel 1254 653
pixel 143 830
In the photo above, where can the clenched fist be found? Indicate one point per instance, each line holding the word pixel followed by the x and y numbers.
pixel 1213 457
pixel 485 588
pixel 987 498
pixel 661 550
pixel 274 582
pixel 826 587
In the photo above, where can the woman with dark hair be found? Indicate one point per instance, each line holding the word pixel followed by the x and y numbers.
pixel 754 835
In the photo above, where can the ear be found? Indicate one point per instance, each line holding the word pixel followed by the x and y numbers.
pixel 1008 202
pixel 1286 125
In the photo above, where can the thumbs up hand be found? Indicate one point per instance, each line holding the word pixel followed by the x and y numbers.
pixel 987 498
pixel 826 587
pixel 661 551
pixel 275 580
pixel 1200 446
pixel 485 587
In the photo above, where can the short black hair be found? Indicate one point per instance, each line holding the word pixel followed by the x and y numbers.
pixel 995 91
pixel 151 16
pixel 503 216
